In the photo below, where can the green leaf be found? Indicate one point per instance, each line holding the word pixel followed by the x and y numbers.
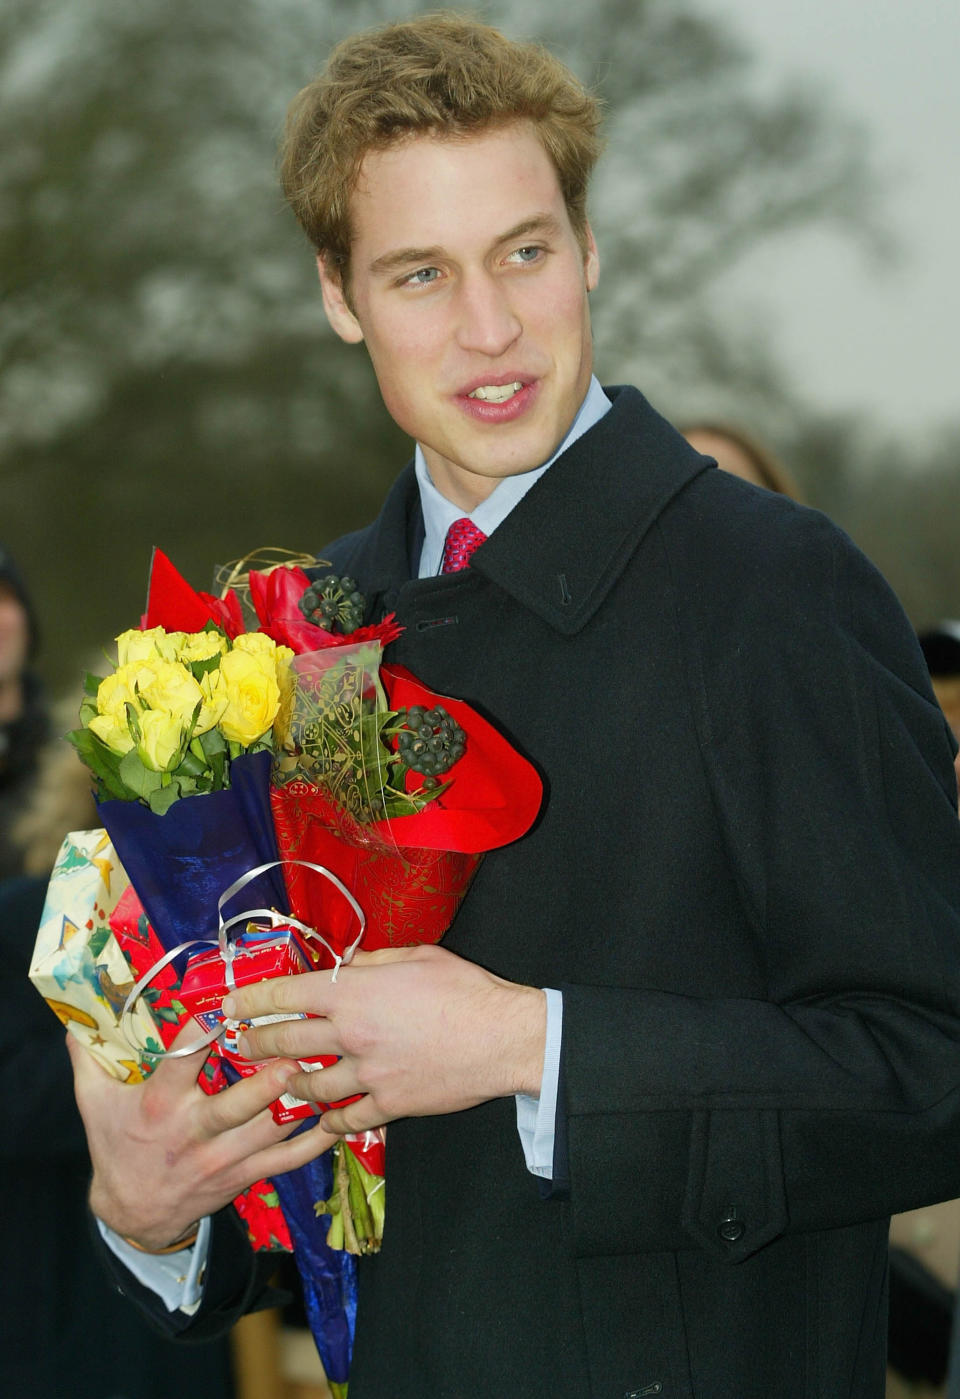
pixel 104 764
pixel 88 709
pixel 212 742
pixel 161 799
pixel 164 1013
pixel 190 765
pixel 91 683
pixel 141 780
pixel 186 782
pixel 201 668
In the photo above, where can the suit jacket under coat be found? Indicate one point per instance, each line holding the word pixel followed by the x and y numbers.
pixel 746 881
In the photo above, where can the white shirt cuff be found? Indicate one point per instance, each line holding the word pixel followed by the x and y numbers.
pixel 176 1278
pixel 537 1117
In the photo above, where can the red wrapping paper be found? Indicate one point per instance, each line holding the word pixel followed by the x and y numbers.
pixel 408 873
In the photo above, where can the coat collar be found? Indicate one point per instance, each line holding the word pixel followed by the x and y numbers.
pixel 563 547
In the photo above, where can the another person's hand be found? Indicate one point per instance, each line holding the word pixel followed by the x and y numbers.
pixel 418 1031
pixel 165 1154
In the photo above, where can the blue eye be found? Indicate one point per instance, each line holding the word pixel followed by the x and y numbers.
pixel 527 255
pixel 423 277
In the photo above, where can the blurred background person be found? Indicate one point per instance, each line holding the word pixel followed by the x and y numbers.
pixel 742 454
pixel 24 724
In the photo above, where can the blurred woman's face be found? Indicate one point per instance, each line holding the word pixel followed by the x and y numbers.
pixel 14 634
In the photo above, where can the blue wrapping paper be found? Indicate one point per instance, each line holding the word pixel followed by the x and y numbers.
pixel 329 1275
pixel 181 862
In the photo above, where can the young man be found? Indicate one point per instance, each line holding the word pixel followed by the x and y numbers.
pixel 713 999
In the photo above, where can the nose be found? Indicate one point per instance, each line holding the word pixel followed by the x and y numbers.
pixel 487 323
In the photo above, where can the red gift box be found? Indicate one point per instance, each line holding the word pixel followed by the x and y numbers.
pixel 259 954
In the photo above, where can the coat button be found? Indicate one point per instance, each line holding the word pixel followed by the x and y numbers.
pixel 730 1227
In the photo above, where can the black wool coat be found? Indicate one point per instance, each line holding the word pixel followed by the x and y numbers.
pixel 746 882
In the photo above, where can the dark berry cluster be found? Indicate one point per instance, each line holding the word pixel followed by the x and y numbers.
pixel 430 743
pixel 332 602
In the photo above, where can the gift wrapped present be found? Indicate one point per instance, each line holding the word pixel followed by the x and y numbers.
pixel 258 954
pixel 78 966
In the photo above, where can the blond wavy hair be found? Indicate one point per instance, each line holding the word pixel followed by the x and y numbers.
pixel 440 74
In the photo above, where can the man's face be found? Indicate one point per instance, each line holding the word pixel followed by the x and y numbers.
pixel 469 288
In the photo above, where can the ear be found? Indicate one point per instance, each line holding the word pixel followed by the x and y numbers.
pixel 335 303
pixel 591 261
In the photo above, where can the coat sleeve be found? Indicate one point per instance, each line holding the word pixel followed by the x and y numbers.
pixel 835 1099
pixel 236 1281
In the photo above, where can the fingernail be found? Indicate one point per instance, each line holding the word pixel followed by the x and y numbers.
pixel 230 1008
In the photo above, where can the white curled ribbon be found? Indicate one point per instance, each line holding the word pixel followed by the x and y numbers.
pixel 228 951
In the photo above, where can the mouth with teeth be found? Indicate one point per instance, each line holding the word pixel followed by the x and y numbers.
pixel 496 393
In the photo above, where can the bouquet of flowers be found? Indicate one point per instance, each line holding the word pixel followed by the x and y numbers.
pixel 224 756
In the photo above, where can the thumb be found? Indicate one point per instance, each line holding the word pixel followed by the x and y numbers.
pixel 90 1076
pixel 388 954
pixel 181 1062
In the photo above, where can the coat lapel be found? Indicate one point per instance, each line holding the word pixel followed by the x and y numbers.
pixel 556 552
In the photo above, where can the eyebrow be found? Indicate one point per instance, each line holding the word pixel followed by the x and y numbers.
pixel 420 257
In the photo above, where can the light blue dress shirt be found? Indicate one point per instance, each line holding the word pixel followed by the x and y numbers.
pixel 178 1278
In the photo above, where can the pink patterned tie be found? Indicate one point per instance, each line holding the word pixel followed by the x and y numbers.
pixel 462 538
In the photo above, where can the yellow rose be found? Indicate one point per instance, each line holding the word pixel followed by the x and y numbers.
pixel 257 643
pixel 253 695
pixel 112 730
pixel 161 734
pixel 169 686
pixel 120 689
pixel 200 646
pixel 214 693
pixel 134 645
pixel 169 644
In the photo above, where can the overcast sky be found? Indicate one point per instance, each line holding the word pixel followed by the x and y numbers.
pixel 884 340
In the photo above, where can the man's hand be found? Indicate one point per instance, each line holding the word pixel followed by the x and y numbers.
pixel 165 1153
pixel 418 1031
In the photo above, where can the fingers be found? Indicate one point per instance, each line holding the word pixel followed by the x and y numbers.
pixel 385 954
pixel 315 993
pixel 288 1155
pixel 361 1116
pixel 88 1075
pixel 244 1101
pixel 328 1085
pixel 282 995
pixel 292 1039
pixel 177 1071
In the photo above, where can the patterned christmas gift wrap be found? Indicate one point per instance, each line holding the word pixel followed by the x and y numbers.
pixel 78 966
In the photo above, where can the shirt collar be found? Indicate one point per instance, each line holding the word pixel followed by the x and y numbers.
pixel 440 513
